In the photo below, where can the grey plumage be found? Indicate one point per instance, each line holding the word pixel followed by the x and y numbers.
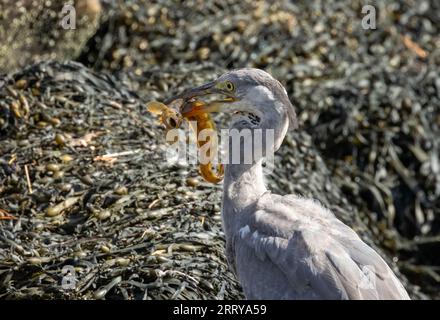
pixel 291 248
pixel 287 247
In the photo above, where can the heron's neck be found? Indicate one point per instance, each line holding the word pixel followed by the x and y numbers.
pixel 244 183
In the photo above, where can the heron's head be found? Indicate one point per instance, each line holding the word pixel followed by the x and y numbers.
pixel 251 95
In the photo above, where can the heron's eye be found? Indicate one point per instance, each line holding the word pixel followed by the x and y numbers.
pixel 229 86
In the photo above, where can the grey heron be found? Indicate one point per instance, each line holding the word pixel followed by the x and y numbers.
pixel 285 247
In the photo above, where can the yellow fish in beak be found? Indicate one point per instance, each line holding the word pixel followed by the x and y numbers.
pixel 171 116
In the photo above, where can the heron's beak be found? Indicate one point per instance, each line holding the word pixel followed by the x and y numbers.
pixel 202 90
pixel 190 109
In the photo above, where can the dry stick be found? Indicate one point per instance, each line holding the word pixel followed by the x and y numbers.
pixel 115 156
pixel 28 179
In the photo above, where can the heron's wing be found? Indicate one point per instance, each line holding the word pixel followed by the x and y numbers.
pixel 331 262
pixel 373 266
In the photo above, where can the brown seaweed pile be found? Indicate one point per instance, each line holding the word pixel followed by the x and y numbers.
pixel 84 178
